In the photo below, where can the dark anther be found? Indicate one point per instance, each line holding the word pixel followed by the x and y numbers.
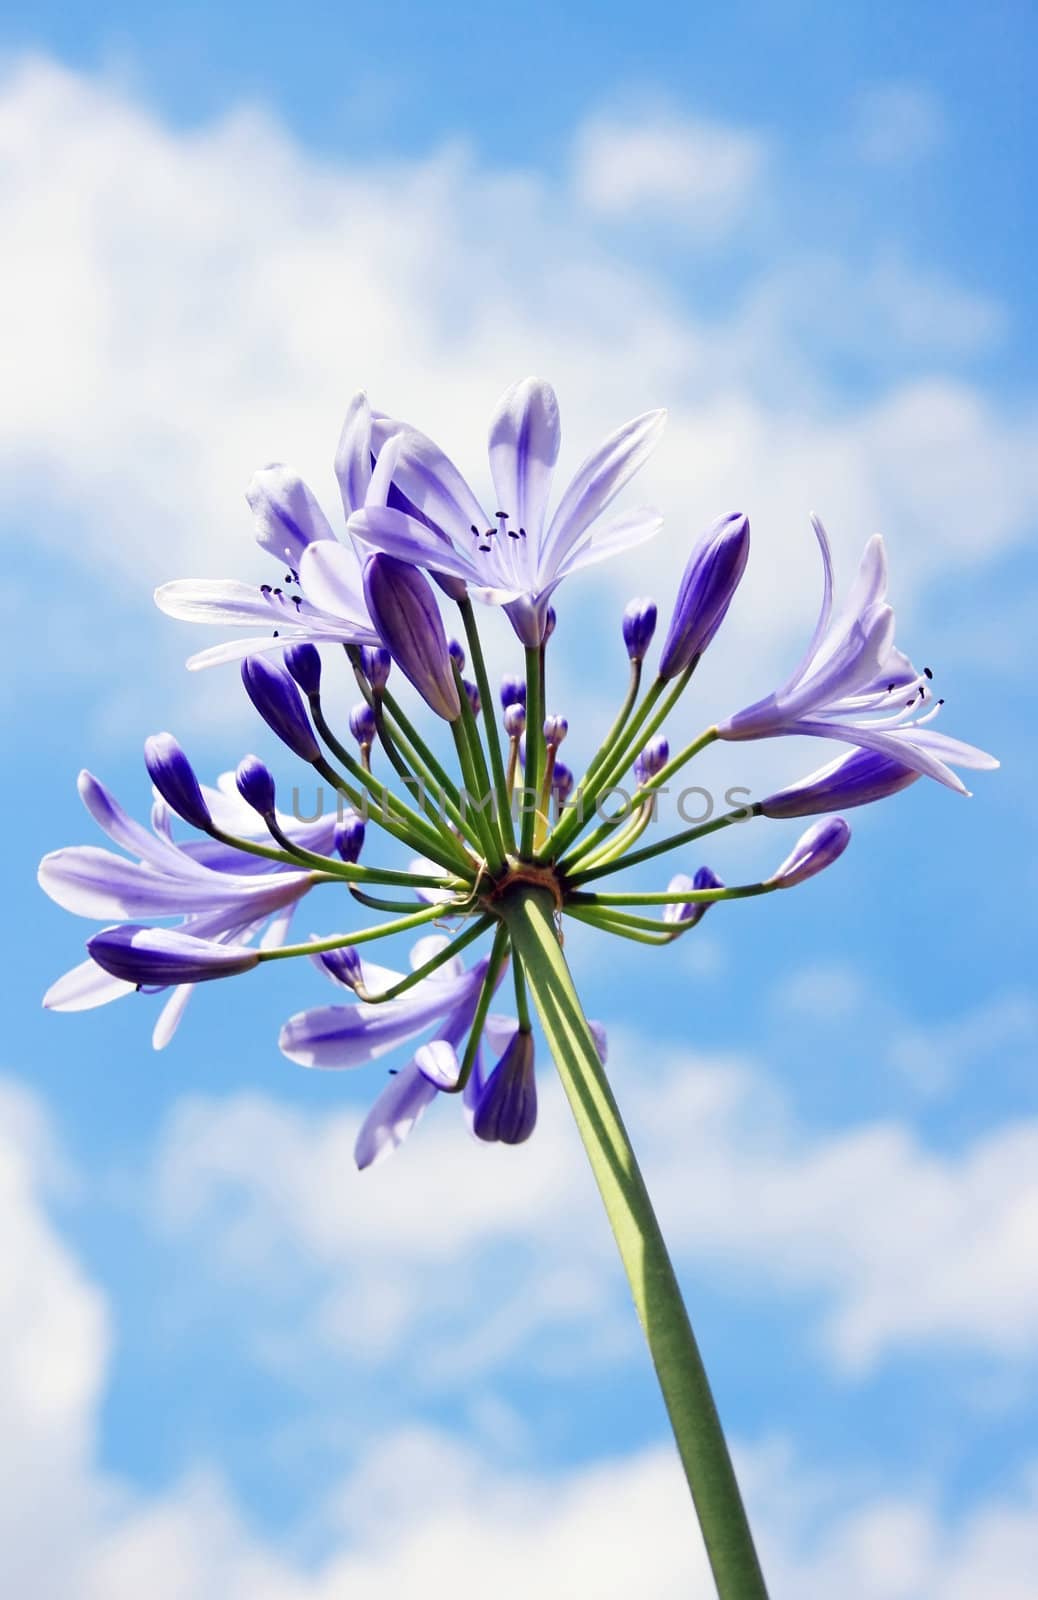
pixel 512 534
pixel 927 673
pixel 941 701
pixel 297 600
pixel 265 588
pixel 474 529
pixel 279 593
pixel 289 577
pixel 275 634
pixel 393 1071
pixel 502 516
pixel 522 533
pixel 486 547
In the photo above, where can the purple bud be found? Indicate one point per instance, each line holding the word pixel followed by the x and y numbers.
pixel 815 850
pixel 506 1109
pixel 362 723
pixel 165 955
pixel 280 704
pixel 515 719
pixel 173 776
pixel 555 729
pixel 601 1039
pixel 639 625
pixel 303 662
pixel 562 780
pixel 652 759
pixel 709 582
pixel 456 651
pixel 375 662
pixel 513 691
pixel 349 837
pixel 438 1063
pixel 343 965
pixel 472 696
pixel 255 785
pixel 695 910
pixel 851 780
pixel 404 610
pixel 550 619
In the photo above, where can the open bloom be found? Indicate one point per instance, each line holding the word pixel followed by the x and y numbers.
pixel 218 893
pixel 517 556
pixel 854 684
pixel 318 595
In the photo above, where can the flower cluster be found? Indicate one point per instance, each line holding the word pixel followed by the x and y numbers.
pixel 510 821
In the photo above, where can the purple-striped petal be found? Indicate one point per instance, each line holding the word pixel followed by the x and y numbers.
pixel 287 515
pixel 524 447
pixel 599 479
pixel 353 455
pixel 166 956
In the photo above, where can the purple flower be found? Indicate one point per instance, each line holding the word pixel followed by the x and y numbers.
pixel 472 696
pixel 375 662
pixel 515 719
pixel 280 704
pixel 404 608
pixel 639 625
pixel 652 759
pixel 174 777
pixel 815 850
pixel 344 966
pixel 506 1105
pixel 851 780
pixel 362 723
pixel 694 910
pixel 854 684
pixel 513 691
pixel 163 956
pixel 318 595
pixel 303 663
pixel 256 786
pixel 349 837
pixel 218 892
pixel 555 729
pixel 707 587
pixel 516 557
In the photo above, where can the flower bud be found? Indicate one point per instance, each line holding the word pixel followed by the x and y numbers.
pixel 375 662
pixel 555 730
pixel 506 1110
pixel 303 662
pixel 550 620
pixel 652 759
pixel 850 780
pixel 694 910
pixel 513 691
pixel 707 587
pixel 343 965
pixel 562 781
pixel 456 651
pixel 362 723
pixel 472 696
pixel 162 956
pixel 403 608
pixel 815 850
pixel 639 625
pixel 174 777
pixel 515 719
pixel 255 785
pixel 280 704
pixel 349 837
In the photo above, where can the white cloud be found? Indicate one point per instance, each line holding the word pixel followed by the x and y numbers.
pixel 692 175
pixel 825 991
pixel 898 124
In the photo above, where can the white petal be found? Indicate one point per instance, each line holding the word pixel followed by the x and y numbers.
pixel 85 987
pixel 599 479
pixel 620 533
pixel 524 447
pixel 353 456
pixel 170 1015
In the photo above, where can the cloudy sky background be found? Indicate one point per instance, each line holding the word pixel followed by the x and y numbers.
pixel 230 1366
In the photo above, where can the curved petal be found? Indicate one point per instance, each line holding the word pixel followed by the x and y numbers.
pixel 394 533
pixel 353 455
pixel 336 1037
pixel 598 480
pixel 330 573
pixel 225 601
pixel 892 743
pixel 170 1016
pixel 393 1115
pixel 125 830
pixel 825 610
pixel 288 517
pixel 85 987
pixel 623 532
pixel 524 446
pixel 431 481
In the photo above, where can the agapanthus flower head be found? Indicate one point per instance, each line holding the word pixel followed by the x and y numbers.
pixel 516 556
pixel 652 759
pixel 303 663
pixel 174 777
pixel 375 663
pixel 256 785
pixel 515 719
pixel 278 701
pixel 555 729
pixel 855 779
pixel 822 844
pixel 854 684
pixel 404 609
pixel 506 1107
pixel 692 911
pixel 639 625
pixel 362 723
pixel 707 588
pixel 162 956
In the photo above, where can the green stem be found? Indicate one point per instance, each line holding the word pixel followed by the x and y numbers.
pixel 345 870
pixel 429 967
pixel 609 922
pixel 529 916
pixel 339 941
pixel 479 667
pixel 651 786
pixel 498 952
pixel 534 744
pixel 647 852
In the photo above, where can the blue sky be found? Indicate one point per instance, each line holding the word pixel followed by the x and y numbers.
pixel 238 1367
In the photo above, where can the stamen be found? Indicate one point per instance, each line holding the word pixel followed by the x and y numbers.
pixel 927 673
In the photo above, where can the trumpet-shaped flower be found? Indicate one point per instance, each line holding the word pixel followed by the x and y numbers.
pixel 517 556
pixel 854 684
